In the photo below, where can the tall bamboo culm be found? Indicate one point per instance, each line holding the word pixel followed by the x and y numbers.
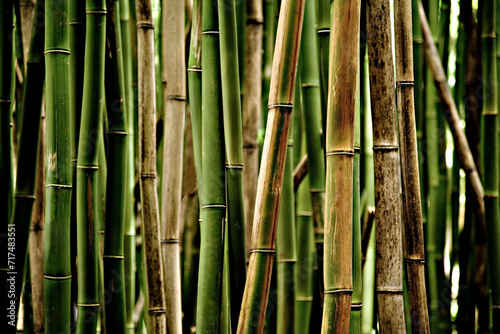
pixel 87 177
pixel 147 154
pixel 27 155
pixel 231 106
pixel 174 88
pixel 412 210
pixel 116 180
pixel 389 276
pixel 342 79
pixel 6 173
pixel 213 199
pixel 58 179
pixel 252 110
pixel 490 155
pixel 272 167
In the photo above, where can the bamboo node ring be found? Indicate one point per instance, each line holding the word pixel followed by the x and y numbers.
pixel 67 186
pixel 148 176
pixel 145 25
pixel 340 152
pixel 395 291
pixel 415 260
pixel 234 166
pixel 356 307
pixel 64 51
pixel 119 257
pixel 310 85
pixel 330 292
pixel 87 305
pixel 5 101
pixel 24 196
pixel 91 167
pixel 56 278
pixel 324 31
pixel 255 21
pixel 385 148
pixel 169 241
pixel 214 206
pixel 119 133
pixel 156 310
pixel 263 251
pixel 176 98
pixel 194 69
pixel 405 84
pixel 210 32
pixel 278 105
pixel 96 11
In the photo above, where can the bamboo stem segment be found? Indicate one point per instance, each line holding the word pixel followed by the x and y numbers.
pixel 414 237
pixel 147 154
pixel 272 167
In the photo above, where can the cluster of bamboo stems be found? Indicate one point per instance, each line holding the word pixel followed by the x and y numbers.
pixel 249 166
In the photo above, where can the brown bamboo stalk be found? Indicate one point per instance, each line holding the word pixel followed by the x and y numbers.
pixel 414 236
pixel 147 154
pixel 27 8
pixel 344 69
pixel 252 86
pixel 462 146
pixel 272 168
pixel 389 264
pixel 36 238
pixel 174 87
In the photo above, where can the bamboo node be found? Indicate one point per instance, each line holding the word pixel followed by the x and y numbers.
pixel 495 307
pixel 194 69
pixel 279 105
pixel 491 195
pixel 324 31
pixel 331 292
pixel 24 196
pixel 156 310
pixel 176 97
pixel 339 152
pixel 145 25
pixel 87 305
pixel 5 101
pixel 356 307
pixel 263 251
pixel 214 206
pixel 96 11
pixel 287 261
pixel 422 261
pixel 170 241
pixel 119 133
pixel 256 21
pixel 310 84
pixel 56 278
pixel 494 36
pixel 234 166
pixel 385 148
pixel 91 167
pixel 390 290
pixel 148 176
pixel 303 299
pixel 316 190
pixel 405 84
pixel 63 51
pixel 490 113
pixel 210 32
pixel 119 257
pixel 304 214
pixel 59 186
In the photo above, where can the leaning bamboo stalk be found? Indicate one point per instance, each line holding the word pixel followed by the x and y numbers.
pixel 344 63
pixel 6 172
pixel 414 236
pixel 24 195
pixel 453 119
pixel 147 154
pixel 490 155
pixel 213 201
pixel 36 237
pixel 272 167
pixel 389 277
pixel 252 110
pixel 116 174
pixel 57 268
pixel 231 107
pixel 87 176
pixel 174 87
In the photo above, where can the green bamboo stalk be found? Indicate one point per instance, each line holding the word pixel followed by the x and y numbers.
pixel 129 231
pixel 57 267
pixel 464 152
pixel 344 63
pixel 24 195
pixel 116 181
pixel 389 278
pixel 286 258
pixel 357 278
pixel 147 154
pixel 490 155
pixel 36 237
pixel 252 111
pixel 272 167
pixel 233 141
pixel 305 255
pixel 194 87
pixel 213 202
pixel 174 79
pixel 310 77
pixel 412 212
pixel 323 27
pixel 271 12
pixel 6 172
pixel 297 126
pixel 87 177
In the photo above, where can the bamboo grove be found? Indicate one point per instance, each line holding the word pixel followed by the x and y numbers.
pixel 250 166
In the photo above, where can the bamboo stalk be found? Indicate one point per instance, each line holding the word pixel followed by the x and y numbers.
pixel 174 87
pixel 116 180
pixel 490 155
pixel 323 31
pixel 27 10
pixel 213 201
pixel 272 167
pixel 57 268
pixel 463 150
pixel 252 110
pixel 24 195
pixel 412 212
pixel 6 168
pixel 147 154
pixel 87 166
pixel 344 63
pixel 231 107
pixel 389 278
